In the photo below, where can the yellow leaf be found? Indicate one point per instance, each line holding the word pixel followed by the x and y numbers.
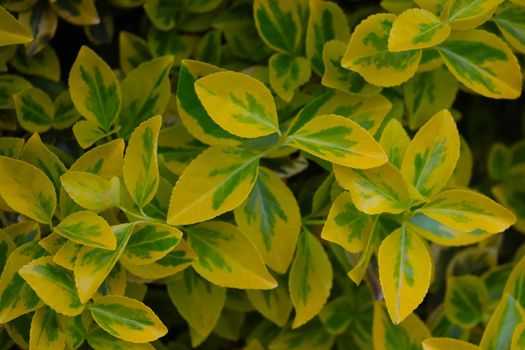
pixel 67 254
pixel 104 160
pixel 287 73
pixel 11 31
pixel 81 12
pixel 91 191
pixel 394 141
pixel 518 338
pixel 447 344
pixel 274 304
pixel 45 333
pixel 87 133
pixel 405 267
pixel 87 228
pixel 35 110
pixel 468 14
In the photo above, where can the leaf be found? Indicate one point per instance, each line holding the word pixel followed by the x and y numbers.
pixel 198 301
pixel 172 43
pixel 327 21
pixel 150 242
pixel 416 29
pixel 162 13
pixel 274 304
pixel 202 6
pixel 12 32
pixel 337 77
pixel 312 337
pixel 7 246
pixel 227 258
pixel 377 190
pixel 65 113
pixel 405 268
pixel 431 157
pixel 24 232
pixel 447 343
pixel 9 86
pixel 460 13
pixel 127 319
pixel 373 238
pixel 54 285
pixel 210 47
pixel 239 103
pixel 41 20
pixel 79 12
pixel 192 113
pixel 99 339
pixel 231 174
pixel 87 133
pixel 93 265
pixel 483 62
pixel 75 329
pixel 367 53
pixel 46 333
pixel 407 335
pixel 27 190
pixel 467 211
pixel 518 338
pixel 428 93
pixel 334 315
pixel 394 141
pixel 280 24
pixel 91 191
pixel 94 89
pixel 465 300
pixel 310 279
pixel 178 148
pixel 516 282
pixel 501 325
pixel 140 168
pixel 43 64
pixel 16 296
pixel 270 218
pixel 145 93
pixel 338 140
pixel 133 51
pixel 87 228
pixel 105 160
pixel 510 20
pixel 287 73
pixel 35 110
pixel 11 147
pixel 67 255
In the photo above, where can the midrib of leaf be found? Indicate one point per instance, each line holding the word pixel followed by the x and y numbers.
pixel 122 321
pixel 402 258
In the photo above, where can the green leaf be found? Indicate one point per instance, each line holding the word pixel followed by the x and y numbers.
pixel 465 300
pixel 11 147
pixel 287 73
pixel 311 336
pixel 65 113
pixel 35 110
pixel 172 43
pixel 75 329
pixel 335 316
pixel 87 228
pixel 210 48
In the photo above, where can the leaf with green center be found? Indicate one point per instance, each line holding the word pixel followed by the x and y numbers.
pixel 145 93
pixel 367 53
pixel 12 32
pixel 227 258
pixel 230 176
pixel 75 329
pixel 93 265
pixel 310 279
pixel 35 110
pixel 270 218
pixel 498 332
pixel 54 285
pixel 16 296
pixel 327 22
pixel 79 12
pixel 416 29
pixel 11 147
pixel 510 20
pixel 91 191
pixel 150 242
pixel 432 154
pixel 44 64
pixel 394 141
pixel 468 14
pixel 483 62
pixel 465 300
pixel 287 73
pixel 337 77
pixel 27 190
pixel 280 24
pixel 239 103
pixel 377 190
pixel 447 343
pixel 94 89
pixel 274 304
pixel 405 267
pixel 87 228
pixel 198 301
pixel 127 319
pixel 67 255
pixel 133 51
pixel 140 168
pixel 9 86
pixel 338 140
pixel 45 330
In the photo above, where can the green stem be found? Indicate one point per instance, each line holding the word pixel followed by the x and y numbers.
pixel 142 216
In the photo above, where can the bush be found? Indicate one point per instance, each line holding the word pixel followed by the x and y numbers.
pixel 262 174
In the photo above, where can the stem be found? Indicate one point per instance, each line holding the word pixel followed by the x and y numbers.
pixel 314 222
pixel 142 216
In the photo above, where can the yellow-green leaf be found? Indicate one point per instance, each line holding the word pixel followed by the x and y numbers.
pixel 483 62
pixel 24 232
pixel 54 285
pixel 133 51
pixel 104 160
pixel 431 157
pixel 42 21
pixel 465 300
pixel 140 169
pixel 87 228
pixel 9 86
pixel 27 190
pixel 94 89
pixel 11 147
pixel 239 103
pixel 46 333
pixel 198 301
pixel 270 218
pixel 394 141
pixel 367 53
pixel 447 344
pixel 338 140
pixel 498 333
pixel 93 265
pixel 516 282
pixel 405 268
pixel 518 338
pixel 75 329
pixel 87 133
pixel 274 304
pixel 150 242
pixel 373 237
pixel 12 32
pixel 91 191
pixel 287 73
pixel 416 29
pixel 461 13
pixel 377 190
pixel 310 337
pixel 35 110
pixel 99 339
pixel 227 258
pixel 7 246
pixel 335 316
pixel 67 255
pixel 44 64
pixel 466 211
pixel 78 12
pixel 310 279
pixel 127 319
pixel 510 20
pixel 230 175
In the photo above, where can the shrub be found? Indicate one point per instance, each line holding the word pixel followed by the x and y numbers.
pixel 262 174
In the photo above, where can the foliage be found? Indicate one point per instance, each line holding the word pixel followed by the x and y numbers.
pixel 246 165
